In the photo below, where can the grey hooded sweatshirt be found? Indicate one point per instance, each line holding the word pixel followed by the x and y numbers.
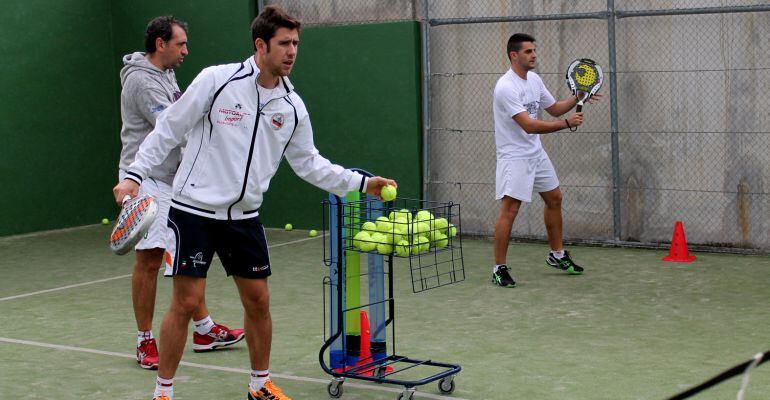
pixel 146 92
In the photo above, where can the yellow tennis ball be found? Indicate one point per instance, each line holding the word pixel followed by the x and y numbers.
pixel 384 248
pixel 440 224
pixel 440 240
pixel 421 244
pixel 105 221
pixel 288 227
pixel 403 247
pixel 424 216
pixel 313 233
pixel 388 193
pixel 452 230
pixel 361 240
pixel 369 226
pixel 384 224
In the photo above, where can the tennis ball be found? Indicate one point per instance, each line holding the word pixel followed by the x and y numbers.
pixel 401 225
pixel 440 240
pixel 288 227
pixel 420 229
pixel 388 193
pixel 392 238
pixel 421 245
pixel 403 248
pixel 440 224
pixel 369 226
pixel 360 239
pixel 402 213
pixel 313 233
pixel 384 248
pixel 384 225
pixel 105 221
pixel 424 216
pixel 452 230
pixel 377 239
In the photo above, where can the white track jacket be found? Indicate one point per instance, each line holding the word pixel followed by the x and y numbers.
pixel 234 147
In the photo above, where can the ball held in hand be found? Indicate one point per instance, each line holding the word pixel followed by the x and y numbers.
pixel 388 193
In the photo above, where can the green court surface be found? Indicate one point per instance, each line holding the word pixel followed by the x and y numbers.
pixel 632 327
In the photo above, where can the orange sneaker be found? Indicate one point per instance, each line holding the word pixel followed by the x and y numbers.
pixel 268 392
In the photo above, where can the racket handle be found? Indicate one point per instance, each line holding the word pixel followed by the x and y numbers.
pixel 126 198
pixel 579 107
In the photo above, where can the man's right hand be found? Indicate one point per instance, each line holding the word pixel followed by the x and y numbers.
pixel 575 119
pixel 125 187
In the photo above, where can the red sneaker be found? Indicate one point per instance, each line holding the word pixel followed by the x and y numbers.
pixel 147 354
pixel 219 336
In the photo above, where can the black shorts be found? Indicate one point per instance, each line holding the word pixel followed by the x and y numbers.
pixel 240 245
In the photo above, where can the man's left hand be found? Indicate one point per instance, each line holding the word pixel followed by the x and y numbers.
pixel 596 97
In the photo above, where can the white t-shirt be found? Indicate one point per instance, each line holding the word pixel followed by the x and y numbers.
pixel 512 96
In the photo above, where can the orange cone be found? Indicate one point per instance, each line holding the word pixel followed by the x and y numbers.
pixel 678 251
pixel 366 353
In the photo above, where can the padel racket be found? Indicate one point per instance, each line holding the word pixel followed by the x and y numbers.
pixel 132 224
pixel 584 79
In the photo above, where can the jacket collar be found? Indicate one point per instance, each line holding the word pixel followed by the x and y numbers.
pixel 287 86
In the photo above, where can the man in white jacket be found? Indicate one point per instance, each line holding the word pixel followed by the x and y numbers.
pixel 239 121
pixel 148 87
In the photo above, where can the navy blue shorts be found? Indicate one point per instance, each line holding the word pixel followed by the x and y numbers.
pixel 240 245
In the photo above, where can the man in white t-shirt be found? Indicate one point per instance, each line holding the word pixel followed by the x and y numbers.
pixel 522 163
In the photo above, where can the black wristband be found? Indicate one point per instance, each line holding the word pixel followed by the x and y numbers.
pixel 567 122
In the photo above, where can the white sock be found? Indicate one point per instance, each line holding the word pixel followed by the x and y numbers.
pixel 142 336
pixel 204 326
pixel 494 269
pixel 258 379
pixel 164 387
pixel 558 254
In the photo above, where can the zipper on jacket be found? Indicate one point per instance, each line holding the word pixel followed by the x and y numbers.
pixel 253 140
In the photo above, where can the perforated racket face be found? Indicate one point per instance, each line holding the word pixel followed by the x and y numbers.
pixel 584 76
pixel 132 223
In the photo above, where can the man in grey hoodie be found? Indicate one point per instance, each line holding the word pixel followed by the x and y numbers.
pixel 149 87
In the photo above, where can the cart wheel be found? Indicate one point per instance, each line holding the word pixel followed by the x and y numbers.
pixel 446 385
pixel 334 388
pixel 405 395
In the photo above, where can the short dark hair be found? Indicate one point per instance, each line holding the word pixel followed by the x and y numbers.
pixel 161 27
pixel 515 41
pixel 268 21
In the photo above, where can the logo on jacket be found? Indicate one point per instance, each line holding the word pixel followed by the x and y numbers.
pixel 231 117
pixel 238 106
pixel 277 121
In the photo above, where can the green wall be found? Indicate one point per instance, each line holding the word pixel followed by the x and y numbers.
pixel 361 84
pixel 60 114
pixel 218 31
pixel 57 118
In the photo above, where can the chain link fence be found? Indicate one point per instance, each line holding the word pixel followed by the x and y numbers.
pixel 687 138
pixel 684 137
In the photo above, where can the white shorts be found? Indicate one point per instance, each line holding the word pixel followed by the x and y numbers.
pixel 161 192
pixel 518 178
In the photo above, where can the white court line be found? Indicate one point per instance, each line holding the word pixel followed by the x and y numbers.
pixel 226 369
pixel 121 276
pixel 63 287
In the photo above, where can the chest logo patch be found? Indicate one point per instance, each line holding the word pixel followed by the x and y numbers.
pixel 277 121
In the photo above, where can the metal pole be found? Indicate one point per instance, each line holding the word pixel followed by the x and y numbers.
pixel 425 30
pixel 260 6
pixel 516 18
pixel 616 220
pixel 693 11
